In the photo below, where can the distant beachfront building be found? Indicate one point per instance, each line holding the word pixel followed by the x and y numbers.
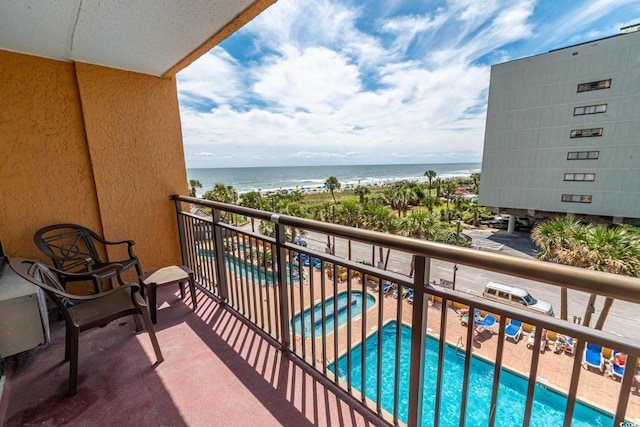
pixel 563 133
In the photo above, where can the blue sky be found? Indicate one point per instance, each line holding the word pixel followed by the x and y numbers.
pixel 337 82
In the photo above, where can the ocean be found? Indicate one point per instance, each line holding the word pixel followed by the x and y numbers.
pixel 308 178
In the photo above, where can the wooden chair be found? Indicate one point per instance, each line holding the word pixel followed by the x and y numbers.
pixel 74 249
pixel 82 313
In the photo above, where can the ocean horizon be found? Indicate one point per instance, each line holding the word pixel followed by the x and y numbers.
pixel 274 178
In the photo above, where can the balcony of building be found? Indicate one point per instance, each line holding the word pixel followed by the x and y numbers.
pixel 263 346
pixel 92 136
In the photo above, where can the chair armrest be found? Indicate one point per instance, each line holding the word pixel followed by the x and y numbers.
pixel 73 262
pixel 95 276
pixel 90 274
pixel 129 244
pixel 111 242
pixel 134 288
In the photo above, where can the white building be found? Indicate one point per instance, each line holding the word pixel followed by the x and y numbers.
pixel 563 133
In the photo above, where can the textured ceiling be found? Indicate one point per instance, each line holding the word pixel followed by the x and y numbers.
pixel 145 36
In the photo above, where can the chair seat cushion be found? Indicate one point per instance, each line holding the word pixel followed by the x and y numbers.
pixel 91 313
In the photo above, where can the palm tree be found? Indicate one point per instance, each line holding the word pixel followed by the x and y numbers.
pixel 253 200
pixel 430 174
pixel 193 184
pixel 222 193
pixel 349 214
pixel 450 187
pixel 294 209
pixel 476 210
pixel 362 191
pixel 332 184
pixel 431 202
pixel 613 250
pixel 555 238
pixel 458 200
pixel 437 184
pixel 420 224
pixel 475 177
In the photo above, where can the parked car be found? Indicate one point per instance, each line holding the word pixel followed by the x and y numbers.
pixel 503 222
pixel 300 241
pixel 517 297
pixel 525 221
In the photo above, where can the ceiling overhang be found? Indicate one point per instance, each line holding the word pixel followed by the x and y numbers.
pixel 156 37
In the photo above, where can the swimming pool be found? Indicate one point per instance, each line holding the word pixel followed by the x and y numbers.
pixel 330 321
pixel 255 273
pixel 548 405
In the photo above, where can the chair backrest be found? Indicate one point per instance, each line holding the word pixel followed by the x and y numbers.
pixel 594 347
pixel 516 323
pixel 71 247
pixel 41 276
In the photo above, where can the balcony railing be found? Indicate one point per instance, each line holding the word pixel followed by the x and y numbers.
pixel 419 357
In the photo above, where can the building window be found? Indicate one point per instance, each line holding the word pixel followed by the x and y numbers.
pixel 576 198
pixel 590 109
pixel 586 133
pixel 602 84
pixel 583 155
pixel 579 176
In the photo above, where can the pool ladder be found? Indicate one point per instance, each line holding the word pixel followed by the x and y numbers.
pixel 460 347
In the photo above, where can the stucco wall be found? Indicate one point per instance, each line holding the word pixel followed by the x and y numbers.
pixel 134 136
pixel 93 146
pixel 45 173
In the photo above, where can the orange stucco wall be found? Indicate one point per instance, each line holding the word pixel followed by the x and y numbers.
pixel 45 173
pixel 132 123
pixel 93 146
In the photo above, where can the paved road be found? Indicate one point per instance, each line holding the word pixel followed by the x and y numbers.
pixel 622 319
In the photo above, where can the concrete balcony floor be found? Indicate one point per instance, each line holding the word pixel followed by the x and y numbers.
pixel 217 371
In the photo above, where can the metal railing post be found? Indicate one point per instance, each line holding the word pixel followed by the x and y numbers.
pixel 418 341
pixel 183 242
pixel 281 274
pixel 221 279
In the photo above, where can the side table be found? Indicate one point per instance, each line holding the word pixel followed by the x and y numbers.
pixel 167 276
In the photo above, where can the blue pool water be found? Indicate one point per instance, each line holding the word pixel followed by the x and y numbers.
pixel 254 273
pixel 356 304
pixel 548 406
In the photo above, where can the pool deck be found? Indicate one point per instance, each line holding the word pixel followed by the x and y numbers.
pixel 554 370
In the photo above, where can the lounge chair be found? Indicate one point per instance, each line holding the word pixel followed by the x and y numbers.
pixel 513 330
pixel 532 337
pixel 615 369
pixel 409 296
pixel 387 287
pixel 405 292
pixel 592 356
pixel 486 324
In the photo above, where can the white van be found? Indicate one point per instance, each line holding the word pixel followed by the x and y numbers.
pixel 516 296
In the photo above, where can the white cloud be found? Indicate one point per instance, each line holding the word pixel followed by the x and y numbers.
pixel 327 83
pixel 316 80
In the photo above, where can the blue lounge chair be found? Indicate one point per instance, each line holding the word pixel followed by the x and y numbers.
pixel 388 286
pixel 513 330
pixel 486 324
pixel 615 370
pixel 405 292
pixel 409 296
pixel 592 356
